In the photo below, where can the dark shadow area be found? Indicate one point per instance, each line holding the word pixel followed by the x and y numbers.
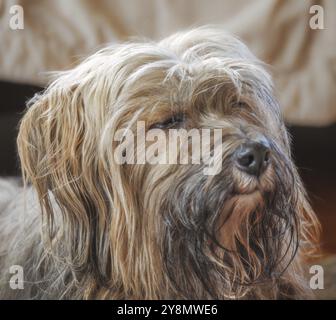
pixel 314 151
pixel 13 101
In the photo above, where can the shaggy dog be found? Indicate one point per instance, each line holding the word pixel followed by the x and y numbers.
pixel 86 226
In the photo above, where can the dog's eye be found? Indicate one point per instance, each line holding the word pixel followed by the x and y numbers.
pixel 175 121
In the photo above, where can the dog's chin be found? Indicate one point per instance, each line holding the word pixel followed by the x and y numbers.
pixel 249 197
pixel 246 184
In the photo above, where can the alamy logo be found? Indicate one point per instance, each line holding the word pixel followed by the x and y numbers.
pixel 16 20
pixel 176 146
pixel 317 19
pixel 317 280
pixel 16 280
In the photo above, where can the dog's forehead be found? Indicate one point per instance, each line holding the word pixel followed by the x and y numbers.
pixel 188 67
pixel 210 86
pixel 199 71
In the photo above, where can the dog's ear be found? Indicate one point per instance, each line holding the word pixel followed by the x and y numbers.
pixel 49 133
pixel 57 145
pixel 86 202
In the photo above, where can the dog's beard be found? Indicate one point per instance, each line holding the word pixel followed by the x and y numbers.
pixel 221 243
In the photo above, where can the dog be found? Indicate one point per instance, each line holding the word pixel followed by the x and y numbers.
pixel 84 226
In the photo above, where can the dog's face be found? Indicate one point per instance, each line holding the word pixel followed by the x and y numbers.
pixel 149 230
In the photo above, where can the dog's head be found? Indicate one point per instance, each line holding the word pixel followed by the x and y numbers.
pixel 147 229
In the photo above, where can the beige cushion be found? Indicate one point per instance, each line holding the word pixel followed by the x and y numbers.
pixel 58 34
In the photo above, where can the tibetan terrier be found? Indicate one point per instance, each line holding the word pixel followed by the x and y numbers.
pixel 86 225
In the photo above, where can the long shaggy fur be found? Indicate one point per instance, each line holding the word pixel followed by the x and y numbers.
pixel 104 230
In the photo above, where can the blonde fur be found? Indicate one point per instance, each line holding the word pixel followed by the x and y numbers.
pixel 100 229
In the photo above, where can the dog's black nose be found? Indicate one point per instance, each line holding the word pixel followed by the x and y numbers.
pixel 253 157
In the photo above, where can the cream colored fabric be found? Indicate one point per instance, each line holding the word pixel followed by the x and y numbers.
pixel 59 33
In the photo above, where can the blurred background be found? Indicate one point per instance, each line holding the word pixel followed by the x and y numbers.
pixel 58 34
